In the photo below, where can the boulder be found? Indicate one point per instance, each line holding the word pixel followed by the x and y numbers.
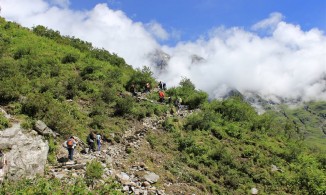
pixel 26 153
pixel 43 129
pixel 123 178
pixel 151 177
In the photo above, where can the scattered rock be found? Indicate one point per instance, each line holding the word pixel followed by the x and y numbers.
pixel 122 177
pixel 254 191
pixel 146 184
pixel 275 168
pixel 125 188
pixel 151 177
pixel 43 129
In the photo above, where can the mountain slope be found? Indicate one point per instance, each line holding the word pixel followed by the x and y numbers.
pixel 205 147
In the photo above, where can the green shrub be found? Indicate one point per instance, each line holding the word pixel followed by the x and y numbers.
pixel 4 122
pixel 69 58
pixel 109 94
pixel 233 131
pixel 194 100
pixel 140 113
pixel 109 187
pixel 124 106
pixel 52 150
pixel 21 52
pixel 27 123
pixel 218 132
pixel 169 125
pixel 153 141
pixel 140 78
pixel 11 88
pixel 185 142
pixel 234 109
pixel 94 171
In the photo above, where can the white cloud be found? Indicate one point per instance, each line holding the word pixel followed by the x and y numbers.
pixel 102 26
pixel 271 22
pixel 61 3
pixel 157 30
pixel 288 62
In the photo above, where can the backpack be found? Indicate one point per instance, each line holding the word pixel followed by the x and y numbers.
pixel 70 143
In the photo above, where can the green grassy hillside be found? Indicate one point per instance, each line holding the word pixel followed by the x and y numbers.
pixel 310 120
pixel 223 147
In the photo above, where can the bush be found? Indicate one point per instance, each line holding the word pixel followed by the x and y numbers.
pixel 52 151
pixel 11 88
pixel 124 106
pixel 168 125
pixel 190 96
pixel 94 171
pixel 195 99
pixel 69 58
pixel 4 122
pixel 235 109
pixel 109 94
pixel 21 52
pixel 184 143
pixel 140 78
pixel 233 131
pixel 35 105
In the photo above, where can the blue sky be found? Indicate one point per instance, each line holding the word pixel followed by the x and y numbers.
pixel 276 48
pixel 192 18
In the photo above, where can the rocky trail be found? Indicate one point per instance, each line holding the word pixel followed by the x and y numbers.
pixel 135 177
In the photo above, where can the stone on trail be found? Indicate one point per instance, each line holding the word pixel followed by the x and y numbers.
pixel 151 177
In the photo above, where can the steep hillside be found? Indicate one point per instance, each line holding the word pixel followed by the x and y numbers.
pixel 200 147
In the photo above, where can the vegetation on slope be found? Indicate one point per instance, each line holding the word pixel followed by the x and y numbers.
pixel 227 148
pixel 224 147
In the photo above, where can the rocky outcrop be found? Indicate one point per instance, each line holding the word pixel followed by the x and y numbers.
pixel 43 129
pixel 159 59
pixel 196 59
pixel 26 153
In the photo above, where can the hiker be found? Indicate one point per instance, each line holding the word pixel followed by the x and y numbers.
pixel 70 144
pixel 90 141
pixel 169 100
pixel 178 102
pixel 161 96
pixel 133 90
pixel 160 85
pixel 147 88
pixel 99 141
pixel 164 86
pixel 3 162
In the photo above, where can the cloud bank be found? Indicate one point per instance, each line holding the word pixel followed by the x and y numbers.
pixel 274 58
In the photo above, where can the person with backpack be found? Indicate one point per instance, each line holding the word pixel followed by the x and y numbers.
pixel 98 141
pixel 177 103
pixel 164 86
pixel 133 90
pixel 161 96
pixel 70 144
pixel 160 85
pixel 90 141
